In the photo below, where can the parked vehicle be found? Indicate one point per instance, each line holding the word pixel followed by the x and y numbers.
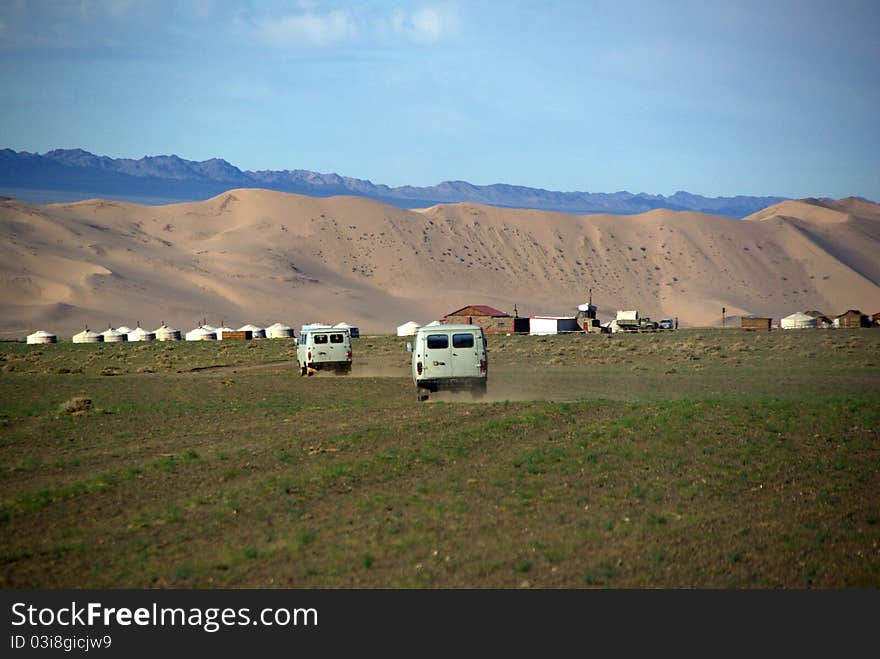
pixel 630 321
pixel 449 358
pixel 324 348
pixel 666 323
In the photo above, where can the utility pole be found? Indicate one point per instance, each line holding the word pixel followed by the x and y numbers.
pixel 723 319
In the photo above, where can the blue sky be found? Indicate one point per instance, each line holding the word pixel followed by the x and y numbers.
pixel 717 98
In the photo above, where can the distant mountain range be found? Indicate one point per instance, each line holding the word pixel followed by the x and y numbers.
pixel 75 174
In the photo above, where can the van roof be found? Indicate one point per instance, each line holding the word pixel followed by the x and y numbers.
pixel 443 328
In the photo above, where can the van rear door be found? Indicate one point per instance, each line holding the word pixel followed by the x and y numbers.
pixel 330 347
pixel 467 349
pixel 438 355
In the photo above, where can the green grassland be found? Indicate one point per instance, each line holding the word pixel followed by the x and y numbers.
pixel 694 458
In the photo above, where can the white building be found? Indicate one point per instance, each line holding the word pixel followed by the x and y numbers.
pixel 407 329
pixel 543 325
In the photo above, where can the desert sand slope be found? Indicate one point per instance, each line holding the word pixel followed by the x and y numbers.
pixel 848 229
pixel 259 256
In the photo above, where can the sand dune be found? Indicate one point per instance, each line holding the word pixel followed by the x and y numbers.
pixel 258 256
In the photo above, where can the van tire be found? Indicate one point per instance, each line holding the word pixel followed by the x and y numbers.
pixel 303 370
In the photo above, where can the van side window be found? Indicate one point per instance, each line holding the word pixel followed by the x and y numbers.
pixel 336 338
pixel 320 339
pixel 438 341
pixel 462 340
pixel 303 339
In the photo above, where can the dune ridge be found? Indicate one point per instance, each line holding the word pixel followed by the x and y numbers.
pixel 252 255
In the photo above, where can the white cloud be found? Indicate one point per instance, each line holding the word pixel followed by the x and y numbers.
pixel 307 29
pixel 423 25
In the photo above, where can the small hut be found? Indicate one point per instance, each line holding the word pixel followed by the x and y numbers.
pixel 851 318
pixel 87 336
pixel 586 315
pixel 821 319
pixel 41 336
pixel 755 323
pixel 491 319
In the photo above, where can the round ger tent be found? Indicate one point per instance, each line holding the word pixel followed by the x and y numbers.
pixel 42 336
pixel 87 336
pixel 256 332
pixel 124 329
pixel 166 333
pixel 797 320
pixel 140 334
pixel 407 329
pixel 352 330
pixel 200 334
pixel 279 331
pixel 113 336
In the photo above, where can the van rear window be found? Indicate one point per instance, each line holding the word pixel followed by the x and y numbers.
pixel 336 338
pixel 462 340
pixel 320 339
pixel 438 341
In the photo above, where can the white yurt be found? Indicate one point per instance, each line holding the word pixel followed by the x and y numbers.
pixel 124 329
pixel 88 336
pixel 165 333
pixel 433 323
pixel 201 333
pixel 140 334
pixel 408 328
pixel 797 320
pixel 42 336
pixel 352 330
pixel 256 332
pixel 113 335
pixel 279 331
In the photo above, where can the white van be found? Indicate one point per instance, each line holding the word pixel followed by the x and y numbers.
pixel 451 358
pixel 323 348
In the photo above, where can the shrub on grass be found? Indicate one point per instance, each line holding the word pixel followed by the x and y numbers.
pixel 76 405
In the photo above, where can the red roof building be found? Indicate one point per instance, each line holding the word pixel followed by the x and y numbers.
pixel 492 320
